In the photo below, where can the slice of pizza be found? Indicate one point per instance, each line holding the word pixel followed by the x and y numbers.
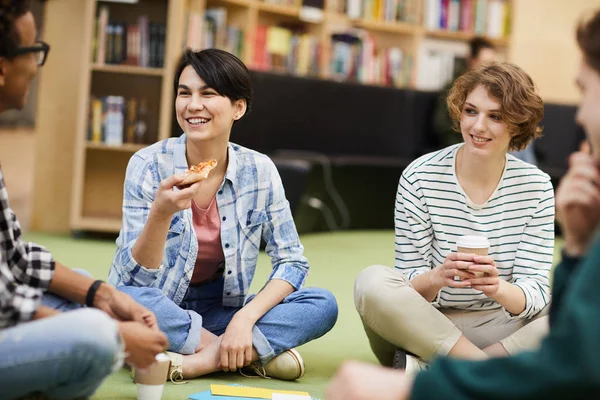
pixel 198 172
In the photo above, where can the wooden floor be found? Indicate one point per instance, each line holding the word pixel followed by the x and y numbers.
pixel 17 149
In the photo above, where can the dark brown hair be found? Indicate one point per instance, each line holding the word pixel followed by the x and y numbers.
pixel 521 108
pixel 588 37
pixel 10 11
pixel 477 44
pixel 221 71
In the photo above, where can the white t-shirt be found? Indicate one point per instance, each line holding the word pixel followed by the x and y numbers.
pixel 432 211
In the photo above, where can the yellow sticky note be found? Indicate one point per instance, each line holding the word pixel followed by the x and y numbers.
pixel 254 393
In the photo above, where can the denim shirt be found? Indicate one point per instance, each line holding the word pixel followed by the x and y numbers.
pixel 251 202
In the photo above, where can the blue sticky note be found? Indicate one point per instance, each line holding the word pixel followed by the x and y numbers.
pixel 207 395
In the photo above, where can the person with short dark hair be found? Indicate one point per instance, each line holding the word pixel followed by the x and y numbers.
pixel 189 253
pixel 567 365
pixel 43 351
pixel 481 50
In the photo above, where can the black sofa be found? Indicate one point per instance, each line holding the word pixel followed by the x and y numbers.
pixel 368 135
pixel 355 124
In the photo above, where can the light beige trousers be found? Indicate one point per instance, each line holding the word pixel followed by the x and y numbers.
pixel 395 316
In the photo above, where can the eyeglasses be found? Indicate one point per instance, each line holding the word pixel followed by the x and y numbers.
pixel 40 50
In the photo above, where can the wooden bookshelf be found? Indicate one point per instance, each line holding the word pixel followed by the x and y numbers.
pixel 98 169
pixel 125 147
pixel 92 199
pixel 128 69
pixel 463 36
pixel 241 3
pixel 399 28
pixel 100 223
pixel 289 11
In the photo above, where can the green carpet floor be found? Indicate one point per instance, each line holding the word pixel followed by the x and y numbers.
pixel 335 260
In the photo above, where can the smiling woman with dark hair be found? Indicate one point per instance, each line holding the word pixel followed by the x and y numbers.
pixel 189 253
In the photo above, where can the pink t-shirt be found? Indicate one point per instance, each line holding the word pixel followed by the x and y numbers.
pixel 207 225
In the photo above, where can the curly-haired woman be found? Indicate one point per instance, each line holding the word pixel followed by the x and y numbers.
pixel 433 303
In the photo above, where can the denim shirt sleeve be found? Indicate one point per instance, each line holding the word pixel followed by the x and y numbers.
pixel 279 232
pixel 137 200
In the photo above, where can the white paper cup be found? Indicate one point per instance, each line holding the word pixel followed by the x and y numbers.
pixel 151 381
pixel 149 392
pixel 473 244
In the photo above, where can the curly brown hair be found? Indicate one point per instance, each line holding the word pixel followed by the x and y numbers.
pixel 521 108
pixel 588 38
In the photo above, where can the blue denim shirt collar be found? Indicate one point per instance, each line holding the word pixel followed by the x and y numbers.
pixel 181 164
pixel 252 203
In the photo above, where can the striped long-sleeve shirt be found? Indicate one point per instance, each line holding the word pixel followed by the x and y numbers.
pixel 432 211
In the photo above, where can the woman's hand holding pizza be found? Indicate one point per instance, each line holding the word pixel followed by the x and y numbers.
pixel 170 200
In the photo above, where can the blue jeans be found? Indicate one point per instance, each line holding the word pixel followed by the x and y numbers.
pixel 65 357
pixel 302 316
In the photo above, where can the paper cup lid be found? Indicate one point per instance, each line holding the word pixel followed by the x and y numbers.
pixel 473 242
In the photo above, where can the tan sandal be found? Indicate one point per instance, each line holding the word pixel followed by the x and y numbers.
pixel 176 368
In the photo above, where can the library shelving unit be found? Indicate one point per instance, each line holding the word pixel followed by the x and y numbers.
pixel 95 171
pixel 99 166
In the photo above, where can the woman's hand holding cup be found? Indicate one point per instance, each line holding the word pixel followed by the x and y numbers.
pixel 485 275
pixel 455 265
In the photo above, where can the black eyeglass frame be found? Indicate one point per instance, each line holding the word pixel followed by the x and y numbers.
pixel 40 46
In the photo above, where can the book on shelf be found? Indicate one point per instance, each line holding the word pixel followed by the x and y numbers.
pixel 218 34
pixel 116 42
pixel 286 49
pixel 380 10
pixel 440 62
pixel 115 120
pixel 312 11
pixel 357 58
pixel 479 17
pixel 213 31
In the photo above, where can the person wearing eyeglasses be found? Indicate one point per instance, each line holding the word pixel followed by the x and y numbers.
pixel 44 351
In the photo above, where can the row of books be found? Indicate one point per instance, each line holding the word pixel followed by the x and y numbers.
pixel 481 17
pixel 281 49
pixel 356 58
pixel 115 120
pixel 217 34
pixel 380 10
pixel 116 42
pixel 284 2
pixel 440 62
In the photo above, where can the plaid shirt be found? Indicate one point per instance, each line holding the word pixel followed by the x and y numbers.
pixel 25 269
pixel 251 203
